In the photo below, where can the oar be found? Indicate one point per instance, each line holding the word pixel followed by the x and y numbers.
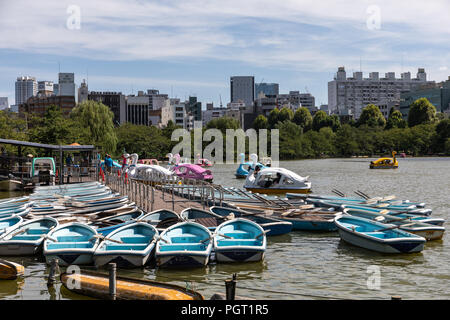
pixel 262 234
pixel 339 193
pixel 19 232
pixel 99 236
pixel 359 193
pixel 400 226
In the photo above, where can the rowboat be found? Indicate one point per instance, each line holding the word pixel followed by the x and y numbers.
pixel 129 246
pixel 10 270
pixel 373 212
pixel 388 199
pixel 272 226
pixel 185 244
pixel 377 236
pixel 428 231
pixel 107 225
pixel 96 285
pixel 309 220
pixel 8 223
pixel 239 240
pixel 26 239
pixel 72 243
pixel 411 209
pixel 20 213
pixel 161 219
pixel 203 217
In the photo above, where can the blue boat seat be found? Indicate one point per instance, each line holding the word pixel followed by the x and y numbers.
pixel 125 246
pixel 183 247
pixel 73 238
pixel 42 230
pixel 26 237
pixel 240 242
pixel 186 238
pixel 136 239
pixel 70 245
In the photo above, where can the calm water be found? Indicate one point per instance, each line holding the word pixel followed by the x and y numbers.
pixel 302 263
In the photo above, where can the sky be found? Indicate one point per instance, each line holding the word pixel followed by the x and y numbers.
pixel 192 47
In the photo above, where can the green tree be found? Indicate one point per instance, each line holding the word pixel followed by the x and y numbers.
pixel 345 141
pixel 274 117
pixel 95 120
pixel 285 114
pixel 372 117
pixel 303 118
pixel 421 111
pixel 395 120
pixel 52 128
pixel 320 120
pixel 223 124
pixel 147 141
pixel 260 123
pixel 442 135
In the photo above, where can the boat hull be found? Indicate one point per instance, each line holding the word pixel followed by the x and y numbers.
pixel 311 225
pixel 181 260
pixel 237 254
pixel 68 258
pixel 382 247
pixel 122 260
pixel 19 249
pixel 278 191
pixel 10 185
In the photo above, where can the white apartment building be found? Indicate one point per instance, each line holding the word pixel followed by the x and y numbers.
pixel 4 103
pixel 350 95
pixel 26 87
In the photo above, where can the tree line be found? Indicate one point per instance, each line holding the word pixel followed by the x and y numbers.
pixel 301 135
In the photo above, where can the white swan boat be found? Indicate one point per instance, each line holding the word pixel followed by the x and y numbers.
pixel 276 181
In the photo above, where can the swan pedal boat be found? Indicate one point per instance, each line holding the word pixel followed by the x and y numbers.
pixel 379 237
pixel 289 182
pixel 239 240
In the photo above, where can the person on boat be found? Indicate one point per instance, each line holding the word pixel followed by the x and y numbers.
pixel 277 179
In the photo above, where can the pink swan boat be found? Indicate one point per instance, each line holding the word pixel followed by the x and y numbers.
pixel 193 171
pixel 203 162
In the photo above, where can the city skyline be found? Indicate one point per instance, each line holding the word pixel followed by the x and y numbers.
pixel 297 44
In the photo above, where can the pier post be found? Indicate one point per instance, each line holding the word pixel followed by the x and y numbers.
pixel 54 267
pixel 230 287
pixel 112 281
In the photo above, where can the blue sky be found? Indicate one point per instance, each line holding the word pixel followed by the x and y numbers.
pixel 192 47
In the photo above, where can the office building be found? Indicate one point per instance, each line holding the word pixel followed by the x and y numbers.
pixel 352 94
pixel 267 89
pixel 242 89
pixel 438 95
pixel 26 87
pixel 114 100
pixel 38 105
pixel 45 88
pixel 66 84
pixel 4 103
pixel 83 92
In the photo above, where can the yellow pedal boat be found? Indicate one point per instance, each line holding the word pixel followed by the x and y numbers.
pixel 385 163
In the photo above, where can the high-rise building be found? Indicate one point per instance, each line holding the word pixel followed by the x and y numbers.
pixel 66 84
pixel 267 89
pixel 26 87
pixel 4 103
pixel 151 108
pixel 242 89
pixel 352 94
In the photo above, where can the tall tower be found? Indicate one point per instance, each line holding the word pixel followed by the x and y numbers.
pixel 26 87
